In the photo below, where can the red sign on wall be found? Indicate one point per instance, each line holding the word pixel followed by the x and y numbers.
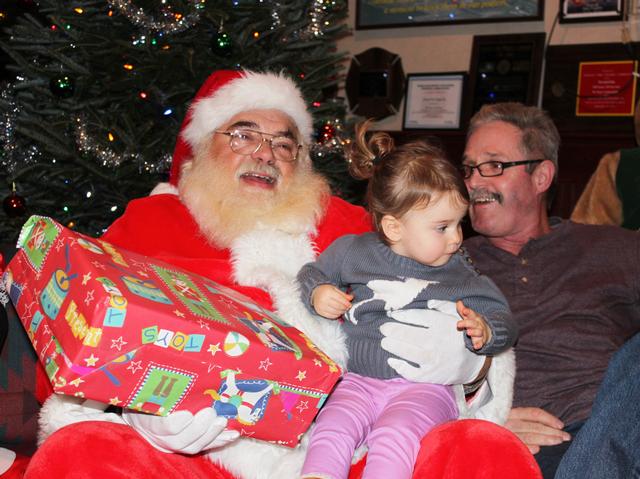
pixel 606 88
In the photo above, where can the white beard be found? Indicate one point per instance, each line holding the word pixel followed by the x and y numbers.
pixel 211 191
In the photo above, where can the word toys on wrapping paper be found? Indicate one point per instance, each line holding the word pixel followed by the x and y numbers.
pixel 131 331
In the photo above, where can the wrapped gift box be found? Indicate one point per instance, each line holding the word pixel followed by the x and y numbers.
pixel 127 330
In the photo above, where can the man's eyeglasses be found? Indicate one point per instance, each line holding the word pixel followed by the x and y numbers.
pixel 493 168
pixel 247 142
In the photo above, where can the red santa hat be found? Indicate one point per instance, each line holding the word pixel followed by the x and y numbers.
pixel 225 94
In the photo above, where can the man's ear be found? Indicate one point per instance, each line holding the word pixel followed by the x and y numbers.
pixel 391 227
pixel 543 175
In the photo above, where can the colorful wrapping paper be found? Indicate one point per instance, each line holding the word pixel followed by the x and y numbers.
pixel 130 331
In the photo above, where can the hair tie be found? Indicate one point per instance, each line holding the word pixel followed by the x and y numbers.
pixel 374 160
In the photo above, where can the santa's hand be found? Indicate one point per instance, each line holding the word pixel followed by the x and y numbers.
pixel 182 431
pixel 429 339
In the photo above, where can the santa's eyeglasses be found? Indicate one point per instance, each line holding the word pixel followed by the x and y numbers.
pixel 246 142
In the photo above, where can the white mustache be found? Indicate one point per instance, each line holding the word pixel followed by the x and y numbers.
pixel 258 167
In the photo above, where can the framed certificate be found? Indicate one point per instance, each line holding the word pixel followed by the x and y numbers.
pixel 433 101
pixel 590 10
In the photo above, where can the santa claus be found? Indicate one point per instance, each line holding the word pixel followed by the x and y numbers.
pixel 245 208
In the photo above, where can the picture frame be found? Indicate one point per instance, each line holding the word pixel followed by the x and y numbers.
pixel 434 101
pixel 606 88
pixel 575 11
pixel 505 68
pixel 375 83
pixel 372 14
pixel 562 90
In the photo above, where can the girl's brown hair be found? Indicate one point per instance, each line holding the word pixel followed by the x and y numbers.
pixel 401 177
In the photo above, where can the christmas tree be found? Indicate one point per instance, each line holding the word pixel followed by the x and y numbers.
pixel 98 90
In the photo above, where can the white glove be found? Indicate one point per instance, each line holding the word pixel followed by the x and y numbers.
pixel 182 431
pixel 429 338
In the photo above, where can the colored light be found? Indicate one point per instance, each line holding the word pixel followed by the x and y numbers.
pixel 110 136
pixel 143 95
pixel 128 66
pixel 78 10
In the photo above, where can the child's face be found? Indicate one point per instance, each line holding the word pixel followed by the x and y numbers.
pixel 431 235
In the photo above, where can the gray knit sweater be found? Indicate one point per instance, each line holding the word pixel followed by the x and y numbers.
pixel 381 281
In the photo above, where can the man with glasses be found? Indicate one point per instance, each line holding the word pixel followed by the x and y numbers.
pixel 245 209
pixel 574 291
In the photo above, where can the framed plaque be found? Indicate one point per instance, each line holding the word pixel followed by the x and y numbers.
pixel 566 96
pixel 590 10
pixel 402 13
pixel 433 101
pixel 375 83
pixel 606 88
pixel 505 68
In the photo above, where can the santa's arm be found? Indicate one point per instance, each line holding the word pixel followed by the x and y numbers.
pixel 181 432
pixel 429 348
pixel 59 411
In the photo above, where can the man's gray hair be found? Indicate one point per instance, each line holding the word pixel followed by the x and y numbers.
pixel 540 136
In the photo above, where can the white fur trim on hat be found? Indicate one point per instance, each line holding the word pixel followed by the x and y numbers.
pixel 252 91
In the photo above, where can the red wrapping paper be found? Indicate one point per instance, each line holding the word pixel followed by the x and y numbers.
pixel 133 332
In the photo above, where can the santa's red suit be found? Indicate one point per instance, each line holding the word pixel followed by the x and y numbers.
pixel 262 264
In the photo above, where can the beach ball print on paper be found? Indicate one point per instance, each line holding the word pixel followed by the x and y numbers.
pixel 235 344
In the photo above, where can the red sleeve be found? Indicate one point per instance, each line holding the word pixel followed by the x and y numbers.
pixel 341 218
pixel 154 226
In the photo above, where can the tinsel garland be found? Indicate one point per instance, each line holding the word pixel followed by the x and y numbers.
pixel 172 23
pixel 111 159
pixel 13 153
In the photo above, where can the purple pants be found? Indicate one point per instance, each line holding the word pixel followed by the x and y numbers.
pixel 391 416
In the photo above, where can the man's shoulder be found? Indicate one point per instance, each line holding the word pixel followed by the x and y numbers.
pixel 155 202
pixel 474 242
pixel 590 233
pixel 340 207
pixel 341 218
pixel 159 209
pixel 150 216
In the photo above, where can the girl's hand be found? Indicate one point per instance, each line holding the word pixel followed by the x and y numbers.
pixel 474 324
pixel 330 302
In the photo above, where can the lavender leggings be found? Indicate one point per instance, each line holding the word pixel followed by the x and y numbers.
pixel 391 416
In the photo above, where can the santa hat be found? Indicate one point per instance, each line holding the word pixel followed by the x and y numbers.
pixel 225 94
